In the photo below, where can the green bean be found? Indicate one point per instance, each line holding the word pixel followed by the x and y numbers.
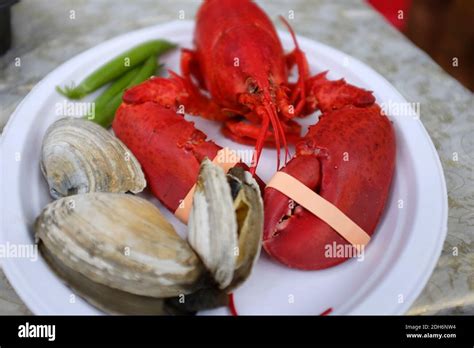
pixel 105 112
pixel 117 86
pixel 116 67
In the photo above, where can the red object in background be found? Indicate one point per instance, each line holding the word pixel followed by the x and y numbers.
pixel 390 10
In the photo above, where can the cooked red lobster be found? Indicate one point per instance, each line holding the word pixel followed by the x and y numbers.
pixel 242 80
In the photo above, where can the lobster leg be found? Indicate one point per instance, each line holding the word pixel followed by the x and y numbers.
pixel 328 95
pixel 176 93
pixel 299 89
pixel 246 132
pixel 190 67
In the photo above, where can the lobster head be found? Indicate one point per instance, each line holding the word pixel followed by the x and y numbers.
pixel 246 77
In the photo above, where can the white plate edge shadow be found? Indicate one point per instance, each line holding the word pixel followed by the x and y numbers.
pixel 367 306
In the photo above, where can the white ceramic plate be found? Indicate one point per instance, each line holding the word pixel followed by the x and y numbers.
pixel 398 261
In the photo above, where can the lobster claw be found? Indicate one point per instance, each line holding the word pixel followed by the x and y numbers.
pixel 286 234
pixel 348 159
pixel 170 159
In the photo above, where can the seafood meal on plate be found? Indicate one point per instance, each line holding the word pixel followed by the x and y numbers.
pixel 117 250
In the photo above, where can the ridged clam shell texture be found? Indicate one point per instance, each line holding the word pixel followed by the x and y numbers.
pixel 79 156
pixel 226 223
pixel 120 241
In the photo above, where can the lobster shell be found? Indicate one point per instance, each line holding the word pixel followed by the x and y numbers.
pixel 169 148
pixel 348 158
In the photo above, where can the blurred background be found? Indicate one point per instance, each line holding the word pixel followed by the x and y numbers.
pixel 442 28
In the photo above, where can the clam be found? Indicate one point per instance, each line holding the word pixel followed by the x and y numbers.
pixel 248 207
pixel 119 253
pixel 226 223
pixel 79 156
pixel 120 241
pixel 115 301
pixel 108 299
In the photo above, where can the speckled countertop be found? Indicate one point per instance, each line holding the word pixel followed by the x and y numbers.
pixel 46 36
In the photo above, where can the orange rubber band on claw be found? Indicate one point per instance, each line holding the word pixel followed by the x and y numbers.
pixel 226 159
pixel 320 207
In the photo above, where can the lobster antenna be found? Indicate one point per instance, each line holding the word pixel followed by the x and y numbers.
pixel 285 144
pixel 259 145
pixel 275 122
pixel 269 116
pixel 290 29
pixel 277 129
pixel 303 70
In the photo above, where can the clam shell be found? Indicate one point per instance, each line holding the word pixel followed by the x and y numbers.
pixel 212 226
pixel 114 301
pixel 120 241
pixel 79 156
pixel 226 223
pixel 248 207
pixel 105 298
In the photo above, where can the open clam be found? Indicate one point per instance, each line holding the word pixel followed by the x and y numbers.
pixel 79 156
pixel 226 223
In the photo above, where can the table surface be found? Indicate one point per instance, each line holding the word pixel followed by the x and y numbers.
pixel 46 36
